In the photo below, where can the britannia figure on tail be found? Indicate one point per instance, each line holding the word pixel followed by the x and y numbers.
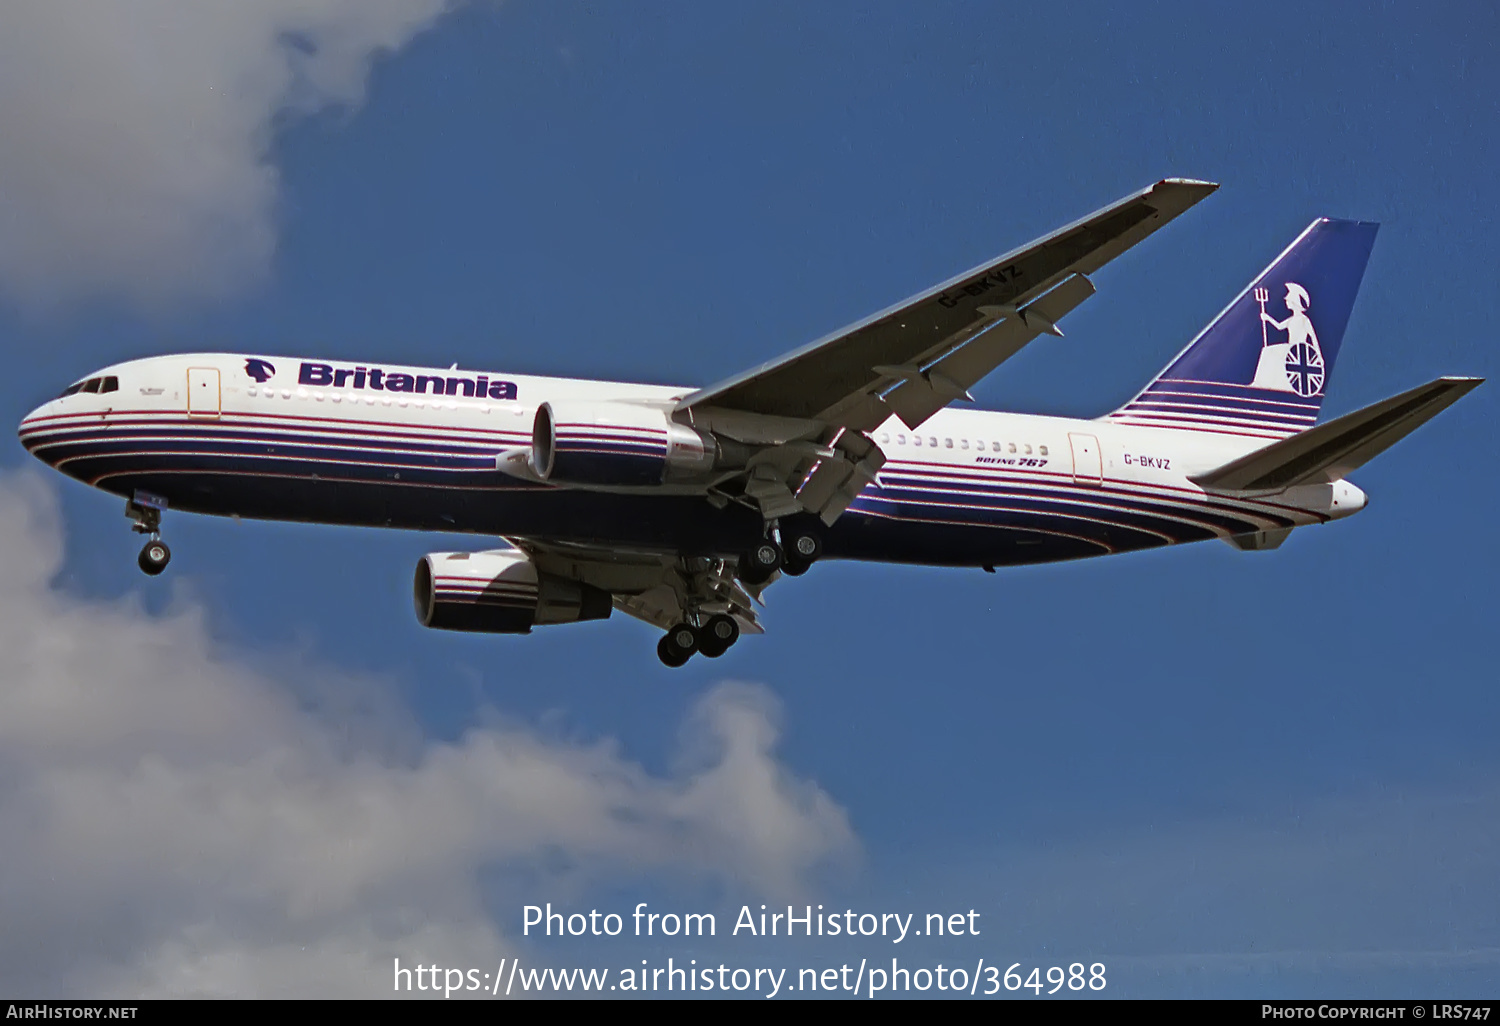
pixel 1295 365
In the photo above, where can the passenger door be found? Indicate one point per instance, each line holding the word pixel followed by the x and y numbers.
pixel 1088 464
pixel 203 391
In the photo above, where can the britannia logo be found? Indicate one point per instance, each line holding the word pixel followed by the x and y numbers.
pixel 261 370
pixel 1295 365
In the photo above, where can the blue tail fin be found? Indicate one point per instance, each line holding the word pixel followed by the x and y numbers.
pixel 1261 367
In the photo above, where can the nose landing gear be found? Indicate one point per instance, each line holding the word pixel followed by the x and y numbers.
pixel 144 512
pixel 154 557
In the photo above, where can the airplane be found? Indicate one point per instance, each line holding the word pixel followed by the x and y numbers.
pixel 681 505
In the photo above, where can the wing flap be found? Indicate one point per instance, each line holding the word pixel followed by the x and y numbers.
pixel 1331 451
pixel 923 391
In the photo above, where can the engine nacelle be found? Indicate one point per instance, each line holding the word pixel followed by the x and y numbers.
pixel 499 593
pixel 611 444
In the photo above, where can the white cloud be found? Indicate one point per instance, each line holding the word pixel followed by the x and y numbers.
pixel 177 821
pixel 137 136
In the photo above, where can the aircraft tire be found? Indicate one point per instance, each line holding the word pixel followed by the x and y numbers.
pixel 678 645
pixel 757 565
pixel 803 541
pixel 668 654
pixel 154 558
pixel 717 635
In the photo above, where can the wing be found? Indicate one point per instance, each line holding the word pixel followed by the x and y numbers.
pixel 914 358
pixel 658 588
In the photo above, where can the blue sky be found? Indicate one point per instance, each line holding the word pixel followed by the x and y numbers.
pixel 1266 774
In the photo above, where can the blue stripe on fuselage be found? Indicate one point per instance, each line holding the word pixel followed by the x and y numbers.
pixel 924 513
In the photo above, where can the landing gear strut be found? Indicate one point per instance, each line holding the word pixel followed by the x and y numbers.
pixel 146 519
pixel 712 638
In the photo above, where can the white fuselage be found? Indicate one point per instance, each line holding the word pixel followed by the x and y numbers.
pixel 353 443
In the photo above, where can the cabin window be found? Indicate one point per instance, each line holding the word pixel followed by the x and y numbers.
pixel 1042 450
pixel 932 441
pixel 1028 450
pixel 963 443
pixel 950 443
pixel 900 439
pixel 884 438
pixel 301 393
pixel 916 439
pixel 1012 446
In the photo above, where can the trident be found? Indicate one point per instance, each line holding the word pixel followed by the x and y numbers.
pixel 1261 296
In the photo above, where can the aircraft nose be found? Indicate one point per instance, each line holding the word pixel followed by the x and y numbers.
pixel 32 429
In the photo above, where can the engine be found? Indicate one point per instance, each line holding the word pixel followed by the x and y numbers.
pixel 610 444
pixel 499 592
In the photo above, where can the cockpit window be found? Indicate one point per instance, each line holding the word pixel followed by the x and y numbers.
pixel 94 385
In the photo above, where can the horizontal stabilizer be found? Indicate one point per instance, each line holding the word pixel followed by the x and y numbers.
pixel 1330 451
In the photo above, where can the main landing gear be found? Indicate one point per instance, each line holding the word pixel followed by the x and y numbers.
pixel 145 516
pixel 802 540
pixel 713 638
pixel 759 564
pixel 792 546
